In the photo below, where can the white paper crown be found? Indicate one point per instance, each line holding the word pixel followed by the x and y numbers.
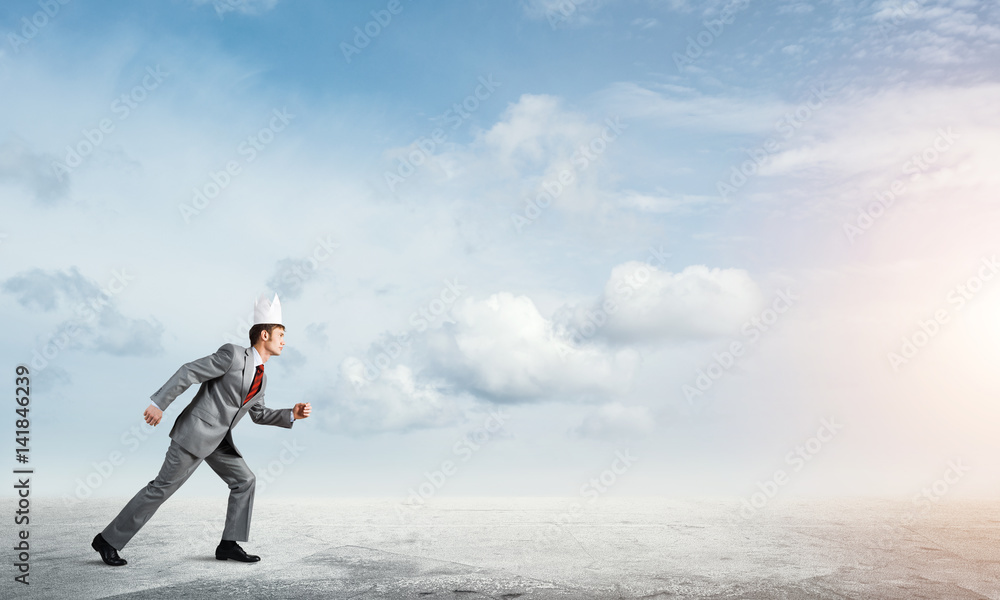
pixel 267 311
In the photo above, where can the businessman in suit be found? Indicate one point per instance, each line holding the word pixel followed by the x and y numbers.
pixel 232 385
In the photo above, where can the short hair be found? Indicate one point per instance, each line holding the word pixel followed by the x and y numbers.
pixel 256 330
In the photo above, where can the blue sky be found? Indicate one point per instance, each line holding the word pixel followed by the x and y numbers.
pixel 576 247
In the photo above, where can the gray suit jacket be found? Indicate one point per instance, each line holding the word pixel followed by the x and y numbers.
pixel 217 407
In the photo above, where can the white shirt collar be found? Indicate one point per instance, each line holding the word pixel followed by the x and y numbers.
pixel 257 360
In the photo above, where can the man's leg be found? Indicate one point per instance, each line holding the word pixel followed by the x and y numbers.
pixel 178 465
pixel 234 471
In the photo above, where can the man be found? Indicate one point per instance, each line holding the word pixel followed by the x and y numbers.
pixel 232 385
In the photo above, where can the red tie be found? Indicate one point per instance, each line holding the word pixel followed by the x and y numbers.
pixel 255 386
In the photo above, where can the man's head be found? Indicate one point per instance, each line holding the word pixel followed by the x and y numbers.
pixel 269 337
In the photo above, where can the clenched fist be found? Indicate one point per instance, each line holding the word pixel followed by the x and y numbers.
pixel 301 410
pixel 152 415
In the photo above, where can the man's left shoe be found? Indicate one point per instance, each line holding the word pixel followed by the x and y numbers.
pixel 234 552
pixel 108 552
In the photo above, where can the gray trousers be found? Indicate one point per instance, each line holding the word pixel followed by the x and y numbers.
pixel 178 465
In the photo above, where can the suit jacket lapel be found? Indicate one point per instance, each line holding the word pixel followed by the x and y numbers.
pixel 248 371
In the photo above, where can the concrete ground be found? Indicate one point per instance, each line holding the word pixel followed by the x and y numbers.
pixel 512 548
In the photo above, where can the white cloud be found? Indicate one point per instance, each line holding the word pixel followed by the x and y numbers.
pixel 394 401
pixel 645 22
pixel 860 140
pixel 499 349
pixel 664 202
pixel 933 33
pixel 677 107
pixel 540 9
pixel 562 12
pixel 534 129
pixel 504 349
pixel 641 303
pixel 535 140
pixel 795 8
pixel 687 6
pixel 96 324
pixel 20 165
pixel 246 7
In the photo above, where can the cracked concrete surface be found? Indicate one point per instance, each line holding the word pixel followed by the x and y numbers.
pixel 512 548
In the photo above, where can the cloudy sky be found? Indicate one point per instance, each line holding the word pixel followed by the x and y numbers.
pixel 701 233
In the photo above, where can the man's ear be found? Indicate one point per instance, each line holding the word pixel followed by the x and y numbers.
pixel 264 335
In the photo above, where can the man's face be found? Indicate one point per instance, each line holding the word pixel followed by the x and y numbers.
pixel 274 341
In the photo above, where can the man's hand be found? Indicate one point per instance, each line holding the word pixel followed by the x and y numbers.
pixel 301 411
pixel 152 415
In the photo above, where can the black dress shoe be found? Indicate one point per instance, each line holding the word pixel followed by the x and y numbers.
pixel 234 552
pixel 108 553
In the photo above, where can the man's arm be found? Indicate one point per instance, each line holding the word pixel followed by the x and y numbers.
pixel 282 417
pixel 197 371
pixel 262 415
